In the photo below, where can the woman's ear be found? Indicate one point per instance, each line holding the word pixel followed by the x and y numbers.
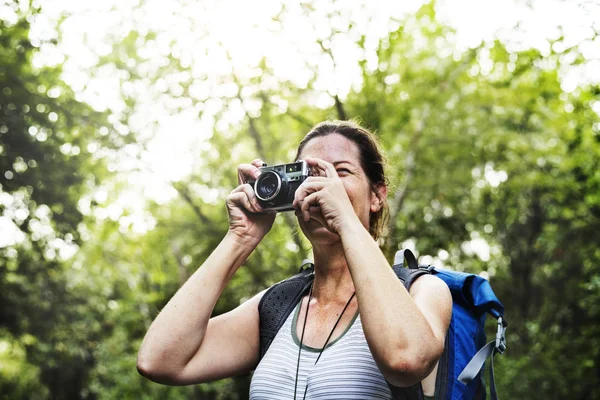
pixel 378 196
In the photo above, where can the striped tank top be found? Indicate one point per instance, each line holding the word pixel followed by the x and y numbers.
pixel 346 369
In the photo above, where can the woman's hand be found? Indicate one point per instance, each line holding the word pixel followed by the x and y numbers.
pixel 324 197
pixel 247 219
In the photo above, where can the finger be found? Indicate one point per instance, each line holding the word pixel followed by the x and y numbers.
pixel 248 172
pixel 316 214
pixel 247 199
pixel 312 179
pixel 322 165
pixel 309 202
pixel 310 185
pixel 258 162
pixel 239 200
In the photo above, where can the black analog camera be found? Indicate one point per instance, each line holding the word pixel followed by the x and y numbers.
pixel 277 184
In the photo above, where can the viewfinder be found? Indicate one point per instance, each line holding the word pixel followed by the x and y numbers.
pixel 293 167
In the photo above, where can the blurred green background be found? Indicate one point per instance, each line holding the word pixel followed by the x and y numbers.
pixel 122 124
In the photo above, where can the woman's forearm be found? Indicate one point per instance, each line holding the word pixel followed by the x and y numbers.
pixel 399 335
pixel 177 332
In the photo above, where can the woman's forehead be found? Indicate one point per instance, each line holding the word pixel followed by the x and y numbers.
pixel 333 148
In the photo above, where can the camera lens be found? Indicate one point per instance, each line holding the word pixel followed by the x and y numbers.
pixel 267 186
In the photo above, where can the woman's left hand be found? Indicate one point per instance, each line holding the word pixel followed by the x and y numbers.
pixel 324 197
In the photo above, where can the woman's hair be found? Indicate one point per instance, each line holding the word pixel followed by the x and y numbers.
pixel 372 162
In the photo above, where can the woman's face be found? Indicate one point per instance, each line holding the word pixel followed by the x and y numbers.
pixel 345 156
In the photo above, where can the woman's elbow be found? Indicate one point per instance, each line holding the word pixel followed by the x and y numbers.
pixel 144 368
pixel 409 369
pixel 147 368
pixel 154 370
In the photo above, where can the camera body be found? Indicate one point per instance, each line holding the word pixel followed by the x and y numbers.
pixel 277 184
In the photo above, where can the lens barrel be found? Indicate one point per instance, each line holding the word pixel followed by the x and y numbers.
pixel 267 186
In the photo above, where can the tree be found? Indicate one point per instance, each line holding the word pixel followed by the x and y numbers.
pixel 477 143
pixel 48 144
pixel 493 168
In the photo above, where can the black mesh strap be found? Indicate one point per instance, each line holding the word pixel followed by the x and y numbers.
pixel 278 302
pixel 413 392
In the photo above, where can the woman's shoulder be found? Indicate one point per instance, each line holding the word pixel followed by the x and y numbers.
pixel 428 283
pixel 429 289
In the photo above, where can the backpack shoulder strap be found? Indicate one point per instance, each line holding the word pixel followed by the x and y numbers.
pixel 278 302
pixel 410 274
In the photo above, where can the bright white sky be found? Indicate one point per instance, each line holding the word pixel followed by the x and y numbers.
pixel 200 30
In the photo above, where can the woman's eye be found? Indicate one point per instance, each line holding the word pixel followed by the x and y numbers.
pixel 343 171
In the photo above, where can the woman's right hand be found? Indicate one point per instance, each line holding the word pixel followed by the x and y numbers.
pixel 247 219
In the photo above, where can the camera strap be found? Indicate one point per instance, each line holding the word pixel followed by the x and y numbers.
pixel 326 341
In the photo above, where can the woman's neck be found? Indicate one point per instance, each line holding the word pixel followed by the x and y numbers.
pixel 333 281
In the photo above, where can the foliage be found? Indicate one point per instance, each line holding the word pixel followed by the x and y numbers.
pixel 493 167
pixel 47 145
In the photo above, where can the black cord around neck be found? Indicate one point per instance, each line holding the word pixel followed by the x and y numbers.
pixel 302 338
pixel 326 341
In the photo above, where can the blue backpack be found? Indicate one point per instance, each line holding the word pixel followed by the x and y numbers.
pixel 460 370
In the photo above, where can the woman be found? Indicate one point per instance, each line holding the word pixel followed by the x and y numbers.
pixel 396 337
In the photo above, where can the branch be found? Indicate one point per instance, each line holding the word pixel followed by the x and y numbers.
pixel 182 190
pixel 182 270
pixel 251 124
pixel 186 196
pixel 255 135
pixel 400 194
pixel 299 118
pixel 338 103
pixel 340 108
pixel 292 225
pixel 258 278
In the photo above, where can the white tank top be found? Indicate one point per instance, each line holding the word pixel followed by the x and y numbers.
pixel 346 369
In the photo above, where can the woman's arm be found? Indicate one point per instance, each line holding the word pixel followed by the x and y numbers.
pixel 405 332
pixel 184 345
